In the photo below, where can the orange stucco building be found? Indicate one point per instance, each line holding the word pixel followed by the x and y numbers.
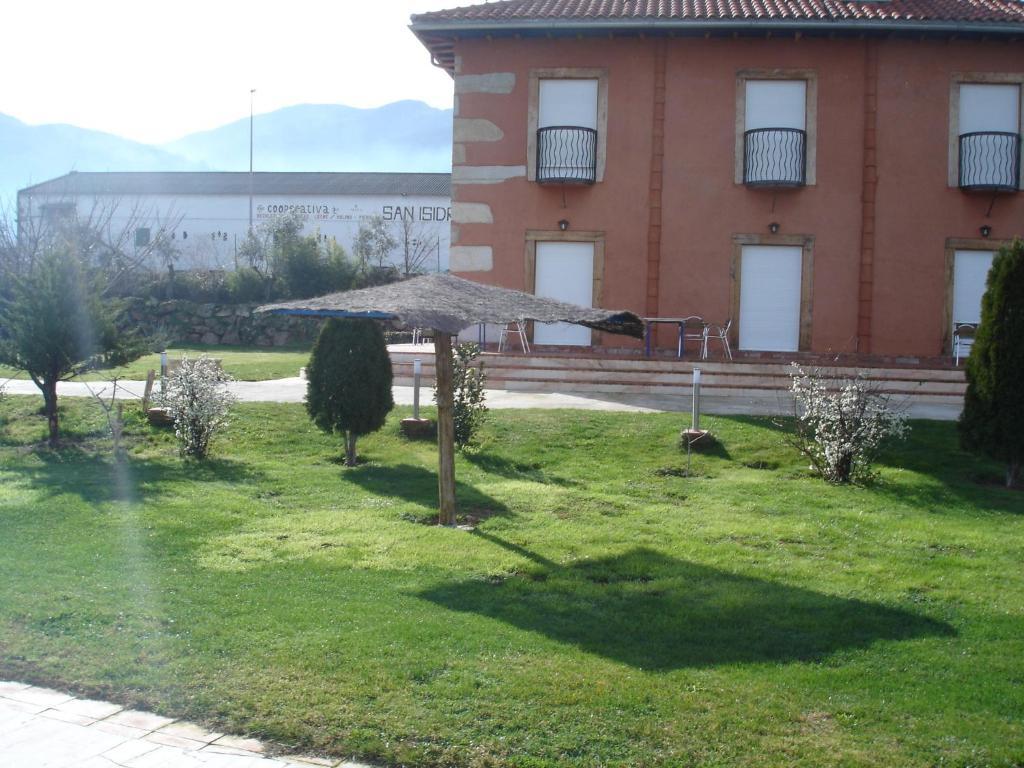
pixel 832 176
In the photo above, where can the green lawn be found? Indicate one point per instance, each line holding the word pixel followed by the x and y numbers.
pixel 244 363
pixel 608 610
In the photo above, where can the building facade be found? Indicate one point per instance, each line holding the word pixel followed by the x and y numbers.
pixel 831 176
pixel 208 214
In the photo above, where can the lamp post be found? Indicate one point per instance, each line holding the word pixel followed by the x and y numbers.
pixel 417 371
pixel 695 416
pixel 252 94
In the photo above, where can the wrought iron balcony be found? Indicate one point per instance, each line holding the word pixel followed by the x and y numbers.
pixel 990 160
pixel 566 154
pixel 775 157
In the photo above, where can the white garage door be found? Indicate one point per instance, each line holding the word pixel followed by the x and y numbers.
pixel 770 298
pixel 970 270
pixel 565 271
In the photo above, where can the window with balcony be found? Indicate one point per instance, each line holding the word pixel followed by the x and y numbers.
pixel 567 131
pixel 567 125
pixel 776 134
pixel 988 136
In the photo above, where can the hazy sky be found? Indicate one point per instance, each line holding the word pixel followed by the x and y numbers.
pixel 154 71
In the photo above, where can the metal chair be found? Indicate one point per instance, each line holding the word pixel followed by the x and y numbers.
pixel 515 328
pixel 720 332
pixel 963 340
pixel 697 334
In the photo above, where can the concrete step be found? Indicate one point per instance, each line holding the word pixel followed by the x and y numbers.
pixel 501 379
pixel 738 368
pixel 662 377
pixel 638 388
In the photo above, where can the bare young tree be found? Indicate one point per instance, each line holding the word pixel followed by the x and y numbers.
pixel 116 237
pixel 417 247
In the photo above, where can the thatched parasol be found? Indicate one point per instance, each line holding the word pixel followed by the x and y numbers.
pixel 448 304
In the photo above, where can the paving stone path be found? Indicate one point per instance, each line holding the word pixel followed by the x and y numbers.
pixel 43 728
pixel 293 390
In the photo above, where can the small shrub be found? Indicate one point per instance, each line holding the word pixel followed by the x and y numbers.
pixel 198 398
pixel 247 286
pixel 469 408
pixel 840 425
pixel 199 286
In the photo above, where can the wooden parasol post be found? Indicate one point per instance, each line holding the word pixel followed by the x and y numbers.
pixel 445 428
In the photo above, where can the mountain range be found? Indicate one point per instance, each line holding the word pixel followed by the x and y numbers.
pixel 403 136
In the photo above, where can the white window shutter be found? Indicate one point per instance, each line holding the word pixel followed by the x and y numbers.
pixel 970 272
pixel 770 283
pixel 776 104
pixel 568 102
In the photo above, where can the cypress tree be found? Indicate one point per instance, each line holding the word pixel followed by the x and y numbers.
pixel 992 422
pixel 349 381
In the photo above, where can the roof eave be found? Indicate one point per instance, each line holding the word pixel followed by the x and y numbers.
pixel 455 27
pixel 437 36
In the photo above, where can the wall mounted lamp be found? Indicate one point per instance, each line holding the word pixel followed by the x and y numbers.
pixel 563 224
pixel 774 227
pixel 985 230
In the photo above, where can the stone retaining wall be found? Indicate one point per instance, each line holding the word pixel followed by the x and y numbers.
pixel 234 324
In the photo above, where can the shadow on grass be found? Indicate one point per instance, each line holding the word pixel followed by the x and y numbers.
pixel 651 611
pixel 419 486
pixel 516 470
pixel 96 478
pixel 708 445
pixel 948 478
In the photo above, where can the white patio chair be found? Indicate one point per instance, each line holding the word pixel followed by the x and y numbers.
pixel 963 340
pixel 719 332
pixel 515 328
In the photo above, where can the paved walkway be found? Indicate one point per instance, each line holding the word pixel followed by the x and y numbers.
pixel 42 728
pixel 293 390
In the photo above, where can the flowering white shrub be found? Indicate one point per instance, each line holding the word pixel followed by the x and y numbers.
pixel 197 396
pixel 840 424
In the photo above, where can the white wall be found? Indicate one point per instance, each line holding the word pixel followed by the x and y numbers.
pixel 209 228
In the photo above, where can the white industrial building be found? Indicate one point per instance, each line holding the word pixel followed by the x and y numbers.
pixel 208 215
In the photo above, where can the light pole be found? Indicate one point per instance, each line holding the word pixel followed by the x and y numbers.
pixel 252 93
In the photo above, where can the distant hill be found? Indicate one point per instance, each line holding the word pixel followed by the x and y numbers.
pixel 403 136
pixel 33 153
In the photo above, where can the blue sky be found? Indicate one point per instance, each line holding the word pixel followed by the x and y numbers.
pixel 154 71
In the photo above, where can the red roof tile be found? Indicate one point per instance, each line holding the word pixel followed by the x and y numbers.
pixel 583 11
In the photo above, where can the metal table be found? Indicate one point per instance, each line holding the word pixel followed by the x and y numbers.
pixel 680 321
